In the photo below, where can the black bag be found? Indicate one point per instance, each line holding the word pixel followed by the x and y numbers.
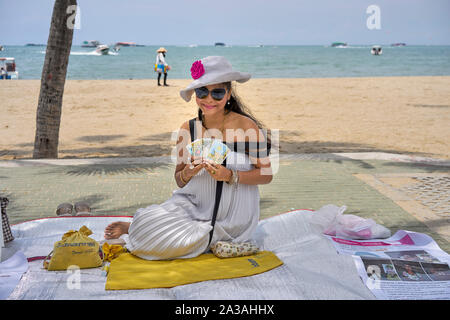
pixel 7 234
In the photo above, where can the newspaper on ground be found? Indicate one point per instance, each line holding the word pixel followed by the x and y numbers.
pixel 408 265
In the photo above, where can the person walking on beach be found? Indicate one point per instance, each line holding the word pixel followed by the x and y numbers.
pixel 161 66
pixel 183 226
pixel 3 74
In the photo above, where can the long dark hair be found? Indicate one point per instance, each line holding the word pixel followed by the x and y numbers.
pixel 236 105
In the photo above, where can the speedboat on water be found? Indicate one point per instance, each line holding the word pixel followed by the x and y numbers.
pixel 339 45
pixel 102 49
pixel 376 51
pixel 8 68
pixel 116 48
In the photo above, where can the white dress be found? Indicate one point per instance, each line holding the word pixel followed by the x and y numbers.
pixel 180 226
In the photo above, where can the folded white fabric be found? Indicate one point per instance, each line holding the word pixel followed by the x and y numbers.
pixel 334 223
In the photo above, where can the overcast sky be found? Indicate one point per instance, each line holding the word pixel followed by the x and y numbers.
pixel 235 22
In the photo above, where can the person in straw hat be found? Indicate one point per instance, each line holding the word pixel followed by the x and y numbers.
pixel 184 225
pixel 161 65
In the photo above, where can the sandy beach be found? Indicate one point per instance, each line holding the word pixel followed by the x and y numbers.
pixel 135 118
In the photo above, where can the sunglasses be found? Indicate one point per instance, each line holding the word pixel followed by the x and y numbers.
pixel 216 94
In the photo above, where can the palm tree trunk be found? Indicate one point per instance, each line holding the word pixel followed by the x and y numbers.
pixel 53 78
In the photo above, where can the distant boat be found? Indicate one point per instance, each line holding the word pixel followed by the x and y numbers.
pixel 376 51
pixel 90 44
pixel 1 48
pixel 339 45
pixel 116 48
pixel 219 44
pixel 103 49
pixel 193 46
pixel 35 45
pixel 399 44
pixel 8 67
pixel 126 44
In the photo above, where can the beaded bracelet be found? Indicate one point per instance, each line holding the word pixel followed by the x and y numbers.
pixel 181 177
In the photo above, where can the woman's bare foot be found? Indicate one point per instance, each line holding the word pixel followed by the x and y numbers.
pixel 116 229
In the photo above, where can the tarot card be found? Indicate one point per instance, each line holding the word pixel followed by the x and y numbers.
pixel 189 149
pixel 217 152
pixel 206 146
pixel 199 147
pixel 211 149
pixel 195 148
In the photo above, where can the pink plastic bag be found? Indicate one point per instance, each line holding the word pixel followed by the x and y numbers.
pixel 335 223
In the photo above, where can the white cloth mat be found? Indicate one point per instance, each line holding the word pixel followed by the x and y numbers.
pixel 11 271
pixel 312 268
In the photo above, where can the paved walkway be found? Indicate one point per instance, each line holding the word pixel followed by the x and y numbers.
pixel 397 191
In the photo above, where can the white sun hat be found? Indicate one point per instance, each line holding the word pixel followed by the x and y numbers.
pixel 212 70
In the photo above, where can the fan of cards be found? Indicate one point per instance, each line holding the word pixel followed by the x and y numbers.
pixel 210 149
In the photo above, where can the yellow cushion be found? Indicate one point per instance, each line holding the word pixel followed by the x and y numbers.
pixel 129 272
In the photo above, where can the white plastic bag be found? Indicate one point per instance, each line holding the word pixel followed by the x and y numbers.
pixel 334 223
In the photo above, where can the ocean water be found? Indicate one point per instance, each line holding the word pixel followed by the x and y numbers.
pixel 262 62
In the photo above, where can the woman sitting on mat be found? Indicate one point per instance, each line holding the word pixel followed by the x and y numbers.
pixel 184 226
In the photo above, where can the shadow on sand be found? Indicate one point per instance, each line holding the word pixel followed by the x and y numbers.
pixel 162 145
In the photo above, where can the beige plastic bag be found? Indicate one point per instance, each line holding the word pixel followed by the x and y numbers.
pixel 224 249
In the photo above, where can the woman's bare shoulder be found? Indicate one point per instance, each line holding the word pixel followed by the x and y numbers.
pixel 185 125
pixel 243 122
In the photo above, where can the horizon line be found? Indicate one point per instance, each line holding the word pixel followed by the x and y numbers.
pixel 249 44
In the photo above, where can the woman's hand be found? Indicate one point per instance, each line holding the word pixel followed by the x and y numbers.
pixel 192 169
pixel 218 171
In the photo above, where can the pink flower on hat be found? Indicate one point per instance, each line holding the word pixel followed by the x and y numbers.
pixel 197 69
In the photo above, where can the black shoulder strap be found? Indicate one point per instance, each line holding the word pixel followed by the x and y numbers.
pixel 193 129
pixel 219 185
